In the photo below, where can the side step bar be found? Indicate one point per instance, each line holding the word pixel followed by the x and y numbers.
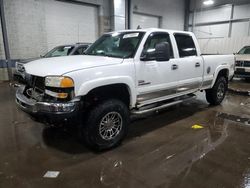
pixel 164 105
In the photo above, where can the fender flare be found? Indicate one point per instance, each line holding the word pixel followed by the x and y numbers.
pixel 218 69
pixel 88 86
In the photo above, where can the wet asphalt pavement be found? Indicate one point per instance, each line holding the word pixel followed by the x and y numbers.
pixel 161 150
pixel 240 86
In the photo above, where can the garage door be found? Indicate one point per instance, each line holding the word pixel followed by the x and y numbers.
pixel 70 23
pixel 145 21
pixel 44 24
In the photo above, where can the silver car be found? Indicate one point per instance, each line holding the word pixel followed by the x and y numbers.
pixel 63 50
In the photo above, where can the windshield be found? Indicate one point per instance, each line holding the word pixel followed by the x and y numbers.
pixel 59 51
pixel 121 45
pixel 245 50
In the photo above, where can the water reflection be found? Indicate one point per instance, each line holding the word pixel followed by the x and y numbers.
pixel 246 179
pixel 160 166
pixel 111 173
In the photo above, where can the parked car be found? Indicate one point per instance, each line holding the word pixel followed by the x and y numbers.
pixel 63 50
pixel 125 72
pixel 242 64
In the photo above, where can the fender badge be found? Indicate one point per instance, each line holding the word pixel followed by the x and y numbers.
pixel 208 70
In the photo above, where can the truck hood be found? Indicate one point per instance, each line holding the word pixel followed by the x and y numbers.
pixel 24 61
pixel 62 65
pixel 242 57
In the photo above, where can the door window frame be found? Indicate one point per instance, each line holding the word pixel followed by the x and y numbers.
pixel 151 35
pixel 177 48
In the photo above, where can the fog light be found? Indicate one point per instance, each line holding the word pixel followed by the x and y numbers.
pixel 62 107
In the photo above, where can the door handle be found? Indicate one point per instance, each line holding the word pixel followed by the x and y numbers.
pixel 174 67
pixel 197 64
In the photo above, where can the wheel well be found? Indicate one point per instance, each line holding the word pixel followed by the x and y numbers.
pixel 223 72
pixel 117 91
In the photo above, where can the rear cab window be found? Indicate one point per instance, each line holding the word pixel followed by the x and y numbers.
pixel 185 45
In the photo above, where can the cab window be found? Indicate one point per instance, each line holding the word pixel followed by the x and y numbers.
pixel 152 41
pixel 185 45
pixel 60 51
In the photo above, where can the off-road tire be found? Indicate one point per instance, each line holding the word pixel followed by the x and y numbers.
pixel 216 94
pixel 91 127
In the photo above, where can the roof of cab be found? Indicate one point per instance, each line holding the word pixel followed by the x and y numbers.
pixel 151 30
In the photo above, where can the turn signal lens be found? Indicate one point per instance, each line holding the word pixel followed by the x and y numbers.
pixel 56 95
pixel 66 82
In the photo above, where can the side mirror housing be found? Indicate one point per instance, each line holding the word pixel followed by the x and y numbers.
pixel 144 57
pixel 162 51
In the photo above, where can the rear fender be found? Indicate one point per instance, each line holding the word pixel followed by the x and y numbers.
pixel 218 70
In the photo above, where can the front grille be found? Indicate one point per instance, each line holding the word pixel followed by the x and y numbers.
pixel 242 63
pixel 36 82
pixel 246 63
pixel 35 87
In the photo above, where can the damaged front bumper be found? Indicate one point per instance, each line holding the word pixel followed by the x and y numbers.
pixel 52 111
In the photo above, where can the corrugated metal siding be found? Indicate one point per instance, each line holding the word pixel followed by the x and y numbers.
pixel 223 45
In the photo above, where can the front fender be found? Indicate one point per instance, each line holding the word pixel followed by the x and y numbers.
pixel 86 87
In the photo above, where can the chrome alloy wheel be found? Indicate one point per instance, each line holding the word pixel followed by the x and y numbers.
pixel 221 91
pixel 110 125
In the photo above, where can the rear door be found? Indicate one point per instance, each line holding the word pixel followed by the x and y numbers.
pixel 190 65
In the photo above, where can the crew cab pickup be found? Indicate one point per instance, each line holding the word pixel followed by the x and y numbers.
pixel 122 73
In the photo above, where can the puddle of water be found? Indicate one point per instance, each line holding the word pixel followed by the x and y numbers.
pixel 235 118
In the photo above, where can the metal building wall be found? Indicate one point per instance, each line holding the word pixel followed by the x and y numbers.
pixel 171 13
pixel 36 26
pixel 221 29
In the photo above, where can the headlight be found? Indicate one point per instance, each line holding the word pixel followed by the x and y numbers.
pixel 20 67
pixel 59 82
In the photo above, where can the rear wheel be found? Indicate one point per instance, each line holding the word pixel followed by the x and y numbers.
pixel 216 94
pixel 106 124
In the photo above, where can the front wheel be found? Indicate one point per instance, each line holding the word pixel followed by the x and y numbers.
pixel 106 125
pixel 216 94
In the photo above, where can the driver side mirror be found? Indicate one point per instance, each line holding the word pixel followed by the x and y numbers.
pixel 162 51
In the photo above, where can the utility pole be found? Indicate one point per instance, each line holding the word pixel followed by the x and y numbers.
pixel 5 40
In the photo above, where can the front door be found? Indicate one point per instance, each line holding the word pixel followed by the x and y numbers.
pixel 156 79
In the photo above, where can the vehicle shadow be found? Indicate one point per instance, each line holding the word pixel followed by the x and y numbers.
pixel 67 138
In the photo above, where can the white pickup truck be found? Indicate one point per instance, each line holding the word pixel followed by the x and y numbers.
pixel 122 73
